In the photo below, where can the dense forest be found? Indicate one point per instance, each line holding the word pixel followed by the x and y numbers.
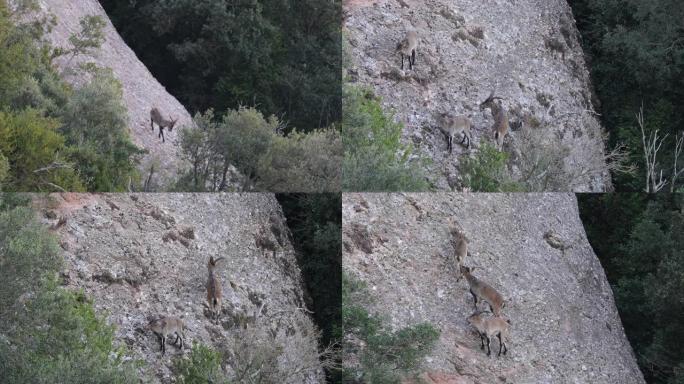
pixel 635 50
pixel 281 56
pixel 639 239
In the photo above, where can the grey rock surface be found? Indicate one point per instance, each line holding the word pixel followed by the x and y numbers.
pixel 526 50
pixel 145 255
pixel 532 248
pixel 141 91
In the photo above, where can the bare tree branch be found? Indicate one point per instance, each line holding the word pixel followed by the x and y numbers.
pixel 679 144
pixel 651 147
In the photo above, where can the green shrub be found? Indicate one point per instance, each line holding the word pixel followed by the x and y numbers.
pixel 302 162
pixel 299 162
pixel 385 356
pixel 202 367
pixel 486 171
pixel 374 157
pixel 33 146
pixel 4 169
pixel 95 125
pixel 48 334
pixel 53 137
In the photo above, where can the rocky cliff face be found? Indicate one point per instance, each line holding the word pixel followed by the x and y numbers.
pixel 141 91
pixel 526 50
pixel 532 248
pixel 145 255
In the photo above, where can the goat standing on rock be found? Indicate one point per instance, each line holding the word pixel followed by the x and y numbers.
pixel 483 291
pixel 500 115
pixel 488 327
pixel 214 291
pixel 453 125
pixel 407 47
pixel 167 326
pixel 156 117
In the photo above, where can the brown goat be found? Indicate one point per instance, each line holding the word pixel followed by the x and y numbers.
pixel 214 291
pixel 156 117
pixel 488 327
pixel 480 289
pixel 501 124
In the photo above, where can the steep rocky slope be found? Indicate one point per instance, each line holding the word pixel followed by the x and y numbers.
pixel 145 255
pixel 530 247
pixel 526 50
pixel 140 89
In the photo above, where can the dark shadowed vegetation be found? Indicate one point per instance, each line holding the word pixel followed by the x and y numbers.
pixel 281 56
pixel 636 54
pixel 315 222
pixel 639 239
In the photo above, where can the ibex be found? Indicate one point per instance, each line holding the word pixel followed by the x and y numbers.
pixel 488 327
pixel 480 289
pixel 501 125
pixel 453 125
pixel 156 118
pixel 407 47
pixel 214 292
pixel 460 243
pixel 167 326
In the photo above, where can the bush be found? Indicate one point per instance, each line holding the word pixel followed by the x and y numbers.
pixel 299 162
pixel 542 162
pixel 55 138
pixel 35 153
pixel 303 162
pixel 487 172
pixel 203 366
pixel 95 125
pixel 385 356
pixel 48 334
pixel 4 169
pixel 374 157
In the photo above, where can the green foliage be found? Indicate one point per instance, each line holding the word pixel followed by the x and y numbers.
pixel 640 242
pixel 303 162
pixel 374 157
pixel 267 160
pixel 202 367
pixel 636 53
pixel 26 252
pixel 242 138
pixel 32 146
pixel 4 169
pixel 95 125
pixel 386 356
pixel 48 334
pixel 90 36
pixel 53 137
pixel 282 56
pixel 487 172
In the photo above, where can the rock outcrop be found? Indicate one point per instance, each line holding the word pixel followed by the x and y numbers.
pixel 528 51
pixel 532 248
pixel 141 91
pixel 141 256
